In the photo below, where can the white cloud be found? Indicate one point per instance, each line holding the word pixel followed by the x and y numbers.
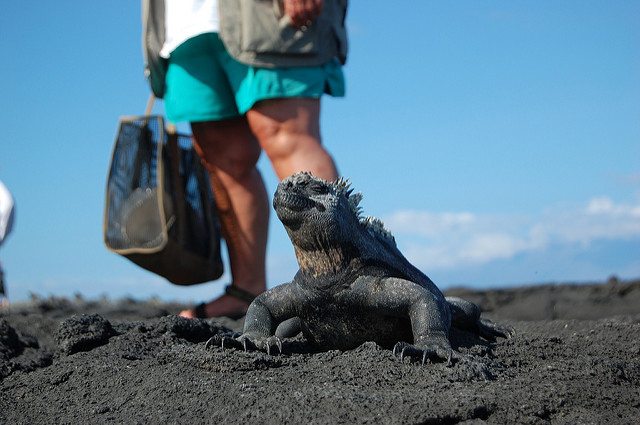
pixel 429 224
pixel 605 206
pixel 601 218
pixel 447 240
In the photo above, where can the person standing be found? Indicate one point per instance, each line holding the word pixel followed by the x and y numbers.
pixel 7 212
pixel 244 97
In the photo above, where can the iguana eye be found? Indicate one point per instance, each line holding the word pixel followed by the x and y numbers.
pixel 318 189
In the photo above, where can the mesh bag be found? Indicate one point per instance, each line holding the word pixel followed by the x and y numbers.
pixel 159 210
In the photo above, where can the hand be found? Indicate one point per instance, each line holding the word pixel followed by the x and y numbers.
pixel 302 12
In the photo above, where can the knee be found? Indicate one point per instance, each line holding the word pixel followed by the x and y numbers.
pixel 281 141
pixel 237 162
pixel 235 155
pixel 277 142
pixel 288 130
pixel 283 126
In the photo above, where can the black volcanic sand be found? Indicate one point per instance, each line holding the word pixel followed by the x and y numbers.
pixel 575 359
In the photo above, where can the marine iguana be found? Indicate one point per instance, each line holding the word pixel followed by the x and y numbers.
pixel 354 285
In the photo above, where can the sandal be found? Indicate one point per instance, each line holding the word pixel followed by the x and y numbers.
pixel 233 291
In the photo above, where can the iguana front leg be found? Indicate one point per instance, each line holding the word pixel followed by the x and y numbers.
pixel 264 315
pixel 426 309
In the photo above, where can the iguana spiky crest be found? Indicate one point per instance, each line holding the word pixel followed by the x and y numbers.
pixel 342 187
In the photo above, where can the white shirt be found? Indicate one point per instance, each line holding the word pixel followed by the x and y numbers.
pixel 6 212
pixel 185 19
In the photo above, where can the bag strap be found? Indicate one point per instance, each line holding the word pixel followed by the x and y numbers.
pixel 143 153
pixel 150 103
pixel 179 201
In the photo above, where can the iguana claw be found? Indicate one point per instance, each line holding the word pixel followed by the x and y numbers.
pixel 223 341
pixel 210 342
pixel 244 342
pixel 402 349
pixel 271 341
pixel 490 330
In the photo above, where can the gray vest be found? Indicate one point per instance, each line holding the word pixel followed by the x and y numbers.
pixel 255 32
pixel 258 33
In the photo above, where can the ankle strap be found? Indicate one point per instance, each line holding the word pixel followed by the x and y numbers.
pixel 236 292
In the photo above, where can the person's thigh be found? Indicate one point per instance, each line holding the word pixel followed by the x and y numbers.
pixel 294 116
pixel 289 132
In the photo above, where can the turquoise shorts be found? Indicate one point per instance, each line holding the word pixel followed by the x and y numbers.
pixel 204 83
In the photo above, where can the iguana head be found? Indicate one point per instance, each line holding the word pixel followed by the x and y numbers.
pixel 313 209
pixel 322 216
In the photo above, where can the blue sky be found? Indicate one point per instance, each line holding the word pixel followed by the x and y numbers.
pixel 499 141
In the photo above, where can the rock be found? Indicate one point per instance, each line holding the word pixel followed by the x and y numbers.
pixel 83 333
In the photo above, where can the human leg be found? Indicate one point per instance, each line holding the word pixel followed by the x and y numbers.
pixel 4 301
pixel 207 87
pixel 288 130
pixel 230 153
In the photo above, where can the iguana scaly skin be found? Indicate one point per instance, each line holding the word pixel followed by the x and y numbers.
pixel 353 285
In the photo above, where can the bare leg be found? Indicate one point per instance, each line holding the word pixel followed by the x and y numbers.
pixel 289 132
pixel 230 153
pixel 4 300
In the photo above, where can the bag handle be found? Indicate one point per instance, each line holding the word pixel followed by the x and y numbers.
pixel 150 103
pixel 175 158
pixel 175 154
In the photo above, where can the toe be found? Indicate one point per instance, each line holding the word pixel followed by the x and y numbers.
pixel 187 314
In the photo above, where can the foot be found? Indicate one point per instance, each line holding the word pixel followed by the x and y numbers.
pixel 246 342
pixel 435 346
pixel 435 352
pixel 226 305
pixel 490 330
pixel 234 304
